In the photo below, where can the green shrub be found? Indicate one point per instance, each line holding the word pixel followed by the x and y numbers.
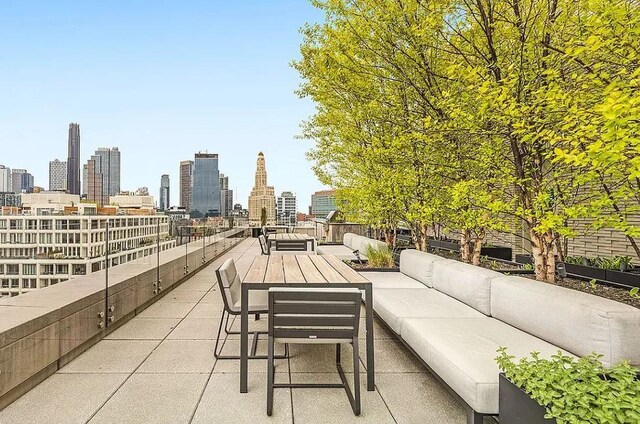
pixel 379 257
pixel 577 390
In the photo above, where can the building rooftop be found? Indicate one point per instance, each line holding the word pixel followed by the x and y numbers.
pixel 159 368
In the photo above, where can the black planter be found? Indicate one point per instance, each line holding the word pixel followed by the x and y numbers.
pixel 525 259
pixel 585 271
pixel 517 407
pixel 630 279
pixel 394 269
pixel 446 245
pixel 498 252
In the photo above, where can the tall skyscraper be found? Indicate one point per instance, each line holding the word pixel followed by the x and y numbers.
pixel 73 160
pixel 21 181
pixel 95 192
pixel 85 183
pixel 205 200
pixel 262 196
pixel 286 207
pixel 186 183
pixel 57 175
pixel 110 168
pixel 165 197
pixel 5 179
pixel 323 202
pixel 226 197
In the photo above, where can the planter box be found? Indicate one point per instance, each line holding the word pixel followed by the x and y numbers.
pixel 446 245
pixel 498 252
pixel 517 407
pixel 631 279
pixel 586 271
pixel 523 258
pixel 372 269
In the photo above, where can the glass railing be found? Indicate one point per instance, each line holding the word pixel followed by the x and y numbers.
pixel 59 320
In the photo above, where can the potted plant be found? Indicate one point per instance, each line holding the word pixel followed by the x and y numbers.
pixel 566 390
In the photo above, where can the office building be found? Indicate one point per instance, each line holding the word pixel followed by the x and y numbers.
pixel 262 197
pixel 9 199
pixel 165 195
pixel 73 160
pixel 205 196
pixel 5 179
pixel 57 175
pixel 110 169
pixel 55 238
pixel 186 183
pixel 286 208
pixel 21 181
pixel 226 197
pixel 85 183
pixel 323 202
pixel 95 192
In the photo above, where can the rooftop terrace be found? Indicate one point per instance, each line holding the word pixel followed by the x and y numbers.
pixel 159 368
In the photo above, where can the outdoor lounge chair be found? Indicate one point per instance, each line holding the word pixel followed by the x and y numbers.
pixel 317 316
pixel 229 285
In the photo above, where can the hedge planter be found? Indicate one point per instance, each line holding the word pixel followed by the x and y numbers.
pixel 585 271
pixel 517 407
pixel 498 252
pixel 446 245
pixel 524 259
pixel 631 279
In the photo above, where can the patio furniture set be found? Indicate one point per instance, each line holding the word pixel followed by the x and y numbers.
pixel 453 316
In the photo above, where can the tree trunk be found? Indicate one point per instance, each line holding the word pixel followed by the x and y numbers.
pixel 465 246
pixel 424 242
pixel 544 261
pixel 477 247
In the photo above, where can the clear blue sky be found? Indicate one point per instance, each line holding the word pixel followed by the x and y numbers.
pixel 161 80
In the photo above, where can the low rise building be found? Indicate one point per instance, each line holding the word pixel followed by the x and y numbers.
pixel 46 243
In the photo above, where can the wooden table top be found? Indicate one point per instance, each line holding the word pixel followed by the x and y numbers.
pixel 301 269
pixel 289 236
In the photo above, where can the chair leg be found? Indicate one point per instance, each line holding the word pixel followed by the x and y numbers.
pixel 474 417
pixel 355 402
pixel 356 377
pixel 270 376
pixel 216 354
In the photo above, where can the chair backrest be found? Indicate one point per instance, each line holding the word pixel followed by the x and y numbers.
pixel 264 246
pixel 314 315
pixel 229 283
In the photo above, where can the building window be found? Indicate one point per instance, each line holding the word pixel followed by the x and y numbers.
pixel 29 269
pixel 15 283
pixel 5 283
pixel 79 269
pixel 62 269
pixel 13 269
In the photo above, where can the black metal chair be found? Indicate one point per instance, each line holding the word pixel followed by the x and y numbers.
pixel 317 316
pixel 229 285
pixel 264 245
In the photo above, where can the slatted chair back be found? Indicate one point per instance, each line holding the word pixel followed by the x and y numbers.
pixel 264 246
pixel 314 315
pixel 229 284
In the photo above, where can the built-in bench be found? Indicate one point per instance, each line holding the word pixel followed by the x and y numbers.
pixel 351 243
pixel 455 316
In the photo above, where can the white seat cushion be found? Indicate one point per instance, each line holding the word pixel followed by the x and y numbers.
pixel 392 280
pixel 419 265
pixel 395 305
pixel 463 351
pixel 468 283
pixel 578 322
pixel 341 251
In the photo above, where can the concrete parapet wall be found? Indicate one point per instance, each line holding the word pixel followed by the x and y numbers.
pixel 43 330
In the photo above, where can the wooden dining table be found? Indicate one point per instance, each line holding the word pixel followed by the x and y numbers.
pixel 302 271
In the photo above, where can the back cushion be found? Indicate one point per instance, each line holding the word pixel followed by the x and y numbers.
pixel 468 283
pixel 419 265
pixel 575 321
pixel 356 243
pixel 347 239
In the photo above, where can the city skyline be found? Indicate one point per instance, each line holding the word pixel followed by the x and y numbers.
pixel 215 86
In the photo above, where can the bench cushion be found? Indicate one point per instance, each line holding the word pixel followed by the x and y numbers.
pixel 468 283
pixel 392 280
pixel 347 239
pixel 419 265
pixel 463 351
pixel 341 251
pixel 395 305
pixel 578 322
